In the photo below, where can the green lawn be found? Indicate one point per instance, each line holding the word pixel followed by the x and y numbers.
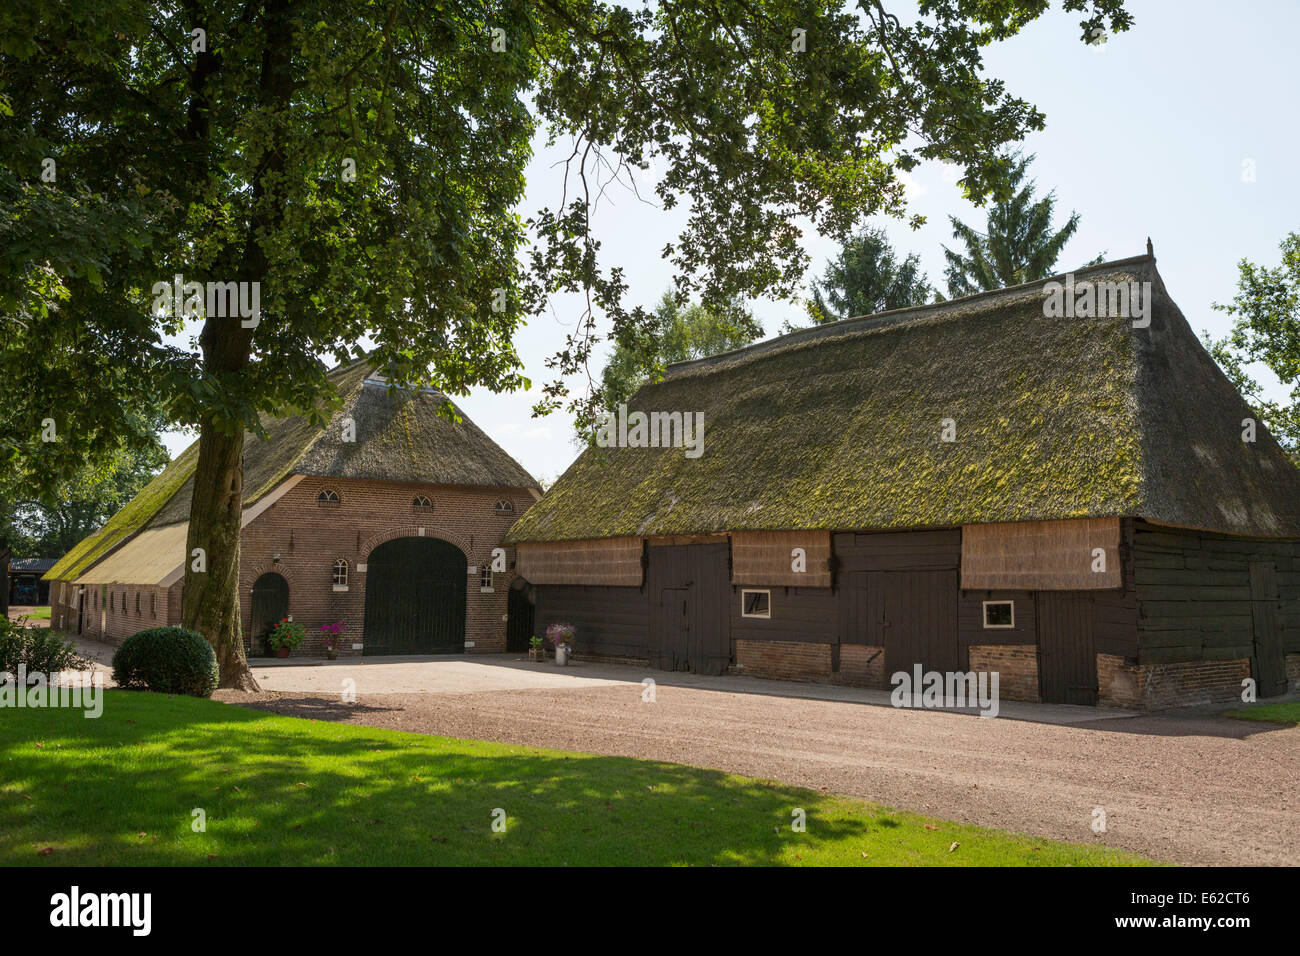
pixel 40 613
pixel 1271 713
pixel 121 789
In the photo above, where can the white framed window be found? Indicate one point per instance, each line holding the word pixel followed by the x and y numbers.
pixel 340 575
pixel 999 615
pixel 421 503
pixel 485 578
pixel 755 603
pixel 328 498
pixel 504 508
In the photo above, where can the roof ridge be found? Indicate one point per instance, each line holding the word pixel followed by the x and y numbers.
pixel 891 317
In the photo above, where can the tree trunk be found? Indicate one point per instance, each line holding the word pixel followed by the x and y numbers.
pixel 211 603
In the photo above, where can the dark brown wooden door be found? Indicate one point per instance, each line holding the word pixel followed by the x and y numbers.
pixel 673 640
pixel 520 613
pixel 917 619
pixel 1269 665
pixel 690 603
pixel 415 598
pixel 270 605
pixel 1067 659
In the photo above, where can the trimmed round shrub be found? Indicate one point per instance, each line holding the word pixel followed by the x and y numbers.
pixel 169 660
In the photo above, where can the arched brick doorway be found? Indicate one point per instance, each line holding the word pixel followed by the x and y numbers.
pixel 270 604
pixel 415 598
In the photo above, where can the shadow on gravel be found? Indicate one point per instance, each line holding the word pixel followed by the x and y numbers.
pixel 1174 725
pixel 312 708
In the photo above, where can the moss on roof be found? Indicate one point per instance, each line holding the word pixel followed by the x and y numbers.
pixel 135 514
pixel 400 436
pixel 839 427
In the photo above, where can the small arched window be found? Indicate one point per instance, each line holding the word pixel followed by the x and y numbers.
pixel 328 498
pixel 421 503
pixel 504 508
pixel 340 573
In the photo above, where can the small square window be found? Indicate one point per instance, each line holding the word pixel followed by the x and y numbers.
pixel 485 578
pixel 756 604
pixel 999 614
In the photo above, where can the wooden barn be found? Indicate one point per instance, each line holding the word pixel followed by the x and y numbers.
pixel 1082 504
pixel 385 519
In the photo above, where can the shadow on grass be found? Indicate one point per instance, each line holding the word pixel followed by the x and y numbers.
pixel 123 789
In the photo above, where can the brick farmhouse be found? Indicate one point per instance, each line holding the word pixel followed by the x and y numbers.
pixel 1082 504
pixel 386 519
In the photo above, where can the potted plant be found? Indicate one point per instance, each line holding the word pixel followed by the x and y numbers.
pixel 333 638
pixel 561 637
pixel 535 650
pixel 286 636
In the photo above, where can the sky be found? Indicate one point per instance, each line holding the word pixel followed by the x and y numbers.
pixel 1184 129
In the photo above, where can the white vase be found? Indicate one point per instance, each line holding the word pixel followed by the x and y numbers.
pixel 561 654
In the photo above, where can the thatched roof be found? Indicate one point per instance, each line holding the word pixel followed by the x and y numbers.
pixel 838 427
pixel 400 436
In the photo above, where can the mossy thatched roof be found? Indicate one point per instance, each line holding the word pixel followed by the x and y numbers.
pixel 400 436
pixel 839 427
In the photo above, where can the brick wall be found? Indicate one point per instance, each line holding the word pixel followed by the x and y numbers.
pixel 785 660
pixel 1016 666
pixel 1293 672
pixel 1124 683
pixel 309 539
pixel 861 665
pixel 110 614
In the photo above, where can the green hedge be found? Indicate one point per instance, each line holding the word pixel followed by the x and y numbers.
pixel 169 660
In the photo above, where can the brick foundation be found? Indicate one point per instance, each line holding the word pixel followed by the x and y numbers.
pixel 1124 683
pixel 785 660
pixel 861 665
pixel 1293 672
pixel 1016 666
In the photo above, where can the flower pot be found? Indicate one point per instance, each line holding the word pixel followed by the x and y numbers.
pixel 561 654
pixel 282 652
pixel 537 654
pixel 331 653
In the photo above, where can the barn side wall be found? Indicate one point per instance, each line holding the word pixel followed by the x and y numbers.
pixel 1196 632
pixel 1177 631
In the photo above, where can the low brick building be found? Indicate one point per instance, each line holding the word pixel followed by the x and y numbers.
pixel 1084 505
pixel 389 519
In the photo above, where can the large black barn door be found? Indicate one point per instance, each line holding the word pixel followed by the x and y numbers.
pixel 270 605
pixel 415 598
pixel 1067 658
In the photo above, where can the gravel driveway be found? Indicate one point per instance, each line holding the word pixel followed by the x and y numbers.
pixel 1194 790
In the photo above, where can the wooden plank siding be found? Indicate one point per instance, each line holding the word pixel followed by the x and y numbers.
pixel 611 621
pixel 1194 593
pixel 801 615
